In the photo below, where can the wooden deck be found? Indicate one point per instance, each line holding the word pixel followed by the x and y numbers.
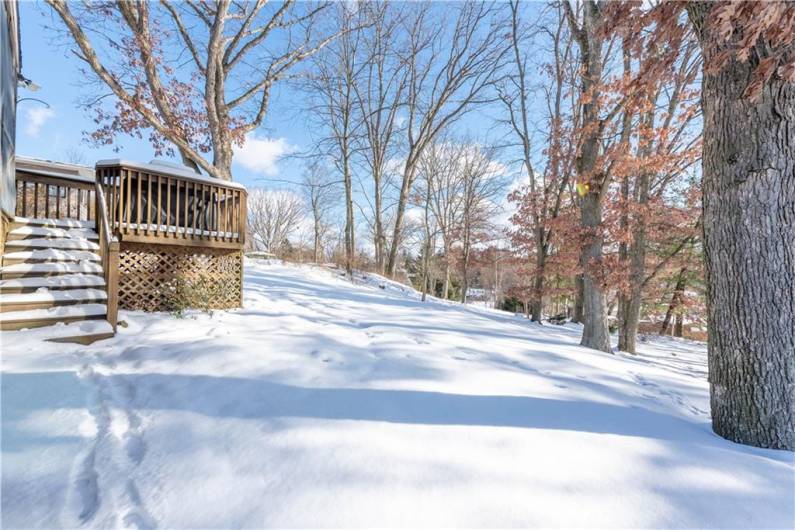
pixel 160 232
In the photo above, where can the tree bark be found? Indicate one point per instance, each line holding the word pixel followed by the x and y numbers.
pixel 595 333
pixel 679 325
pixel 676 299
pixel 538 281
pixel 749 234
pixel 579 308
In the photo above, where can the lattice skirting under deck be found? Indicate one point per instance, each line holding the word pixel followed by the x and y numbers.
pixel 172 278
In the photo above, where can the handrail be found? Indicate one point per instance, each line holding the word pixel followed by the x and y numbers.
pixel 109 249
pixel 55 175
pixel 49 196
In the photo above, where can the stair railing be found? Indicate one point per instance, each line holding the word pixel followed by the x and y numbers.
pixel 109 252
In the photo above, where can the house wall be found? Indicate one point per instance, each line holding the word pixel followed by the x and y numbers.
pixel 9 70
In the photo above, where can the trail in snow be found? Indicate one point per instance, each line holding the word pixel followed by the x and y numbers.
pixel 322 403
pixel 104 488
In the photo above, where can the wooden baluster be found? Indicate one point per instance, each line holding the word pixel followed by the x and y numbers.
pixel 203 221
pixel 238 198
pixel 228 212
pixel 195 200
pixel 47 201
pixel 128 213
pixel 168 205
pixel 242 220
pixel 185 220
pixel 216 212
pixel 24 199
pixel 120 199
pixel 159 203
pixel 110 191
pixel 235 198
pixel 68 202
pixel 219 222
pixel 35 199
pixel 148 202
pixel 138 204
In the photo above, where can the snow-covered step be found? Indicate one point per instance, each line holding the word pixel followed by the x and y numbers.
pixel 33 318
pixel 53 223
pixel 62 281
pixel 63 243
pixel 27 231
pixel 49 268
pixel 43 299
pixel 83 332
pixel 49 254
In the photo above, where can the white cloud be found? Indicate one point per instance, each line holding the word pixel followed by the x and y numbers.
pixel 261 155
pixel 35 118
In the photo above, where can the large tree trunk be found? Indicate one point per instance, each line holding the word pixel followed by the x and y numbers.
pixel 749 246
pixel 628 332
pixel 595 333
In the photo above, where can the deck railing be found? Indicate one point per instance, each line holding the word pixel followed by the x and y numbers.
pixel 54 197
pixel 149 206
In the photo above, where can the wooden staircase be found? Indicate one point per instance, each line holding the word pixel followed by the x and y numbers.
pixel 52 281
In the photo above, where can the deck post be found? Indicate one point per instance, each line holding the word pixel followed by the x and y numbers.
pixel 112 283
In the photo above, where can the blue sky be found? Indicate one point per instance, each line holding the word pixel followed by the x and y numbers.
pixel 57 132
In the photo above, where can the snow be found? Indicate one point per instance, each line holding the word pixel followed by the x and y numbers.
pixel 180 230
pixel 163 168
pixel 43 231
pixel 45 295
pixel 62 243
pixel 52 267
pixel 60 330
pixel 322 403
pixel 52 255
pixel 55 223
pixel 62 281
pixel 52 313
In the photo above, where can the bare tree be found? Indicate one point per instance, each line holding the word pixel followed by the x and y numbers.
pixel 546 188
pixel 332 86
pixel 447 73
pixel 379 93
pixel 482 186
pixel 240 51
pixel 318 195
pixel 441 171
pixel 273 216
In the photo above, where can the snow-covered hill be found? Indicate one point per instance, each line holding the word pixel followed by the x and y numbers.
pixel 323 403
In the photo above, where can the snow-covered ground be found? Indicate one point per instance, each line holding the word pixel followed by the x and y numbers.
pixel 326 404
